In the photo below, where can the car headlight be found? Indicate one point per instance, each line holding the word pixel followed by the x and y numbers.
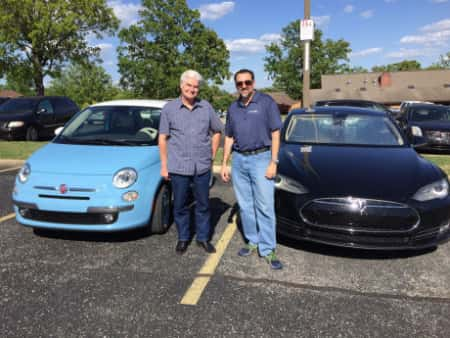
pixel 288 184
pixel 416 131
pixel 124 178
pixel 438 189
pixel 24 173
pixel 15 124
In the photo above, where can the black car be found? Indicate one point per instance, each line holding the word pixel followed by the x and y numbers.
pixel 353 103
pixel 348 177
pixel 427 125
pixel 33 118
pixel 3 100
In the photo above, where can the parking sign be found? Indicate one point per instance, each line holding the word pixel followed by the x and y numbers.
pixel 306 30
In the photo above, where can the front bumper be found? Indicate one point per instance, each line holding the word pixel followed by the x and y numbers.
pixel 431 230
pixel 12 133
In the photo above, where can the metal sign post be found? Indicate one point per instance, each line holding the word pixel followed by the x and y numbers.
pixel 306 35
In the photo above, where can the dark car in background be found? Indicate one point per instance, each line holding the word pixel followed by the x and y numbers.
pixel 348 177
pixel 3 100
pixel 427 126
pixel 354 103
pixel 34 118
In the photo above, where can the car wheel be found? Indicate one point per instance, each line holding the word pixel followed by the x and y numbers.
pixel 162 211
pixel 32 134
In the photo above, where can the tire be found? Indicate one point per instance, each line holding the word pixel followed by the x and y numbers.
pixel 32 134
pixel 162 211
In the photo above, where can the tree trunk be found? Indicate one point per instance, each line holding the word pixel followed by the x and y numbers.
pixel 39 85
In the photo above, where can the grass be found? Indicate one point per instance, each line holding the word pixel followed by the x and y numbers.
pixel 21 150
pixel 18 150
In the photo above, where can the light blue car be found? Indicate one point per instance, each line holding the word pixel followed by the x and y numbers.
pixel 100 173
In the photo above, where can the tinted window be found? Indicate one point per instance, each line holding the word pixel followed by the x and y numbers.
pixel 351 129
pixel 45 104
pixel 432 113
pixel 64 105
pixel 18 106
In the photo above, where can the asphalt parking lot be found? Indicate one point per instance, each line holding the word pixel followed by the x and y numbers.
pixel 128 284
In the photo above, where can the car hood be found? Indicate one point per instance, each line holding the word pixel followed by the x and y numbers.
pixel 13 116
pixel 91 160
pixel 433 125
pixel 370 172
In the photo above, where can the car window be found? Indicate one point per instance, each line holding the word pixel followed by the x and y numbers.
pixel 45 104
pixel 431 114
pixel 132 125
pixel 19 106
pixel 351 129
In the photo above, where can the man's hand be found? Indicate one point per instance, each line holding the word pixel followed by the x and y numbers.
pixel 225 173
pixel 271 170
pixel 165 174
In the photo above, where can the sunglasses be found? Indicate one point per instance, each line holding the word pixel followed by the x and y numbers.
pixel 240 84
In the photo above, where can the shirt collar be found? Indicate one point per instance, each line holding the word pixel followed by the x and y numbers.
pixel 255 98
pixel 197 103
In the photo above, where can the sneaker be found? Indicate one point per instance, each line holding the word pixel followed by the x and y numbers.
pixel 274 262
pixel 247 250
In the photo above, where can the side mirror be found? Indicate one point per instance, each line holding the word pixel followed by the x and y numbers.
pixel 58 130
pixel 41 111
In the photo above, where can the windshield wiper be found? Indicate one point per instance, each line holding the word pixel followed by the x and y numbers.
pixel 107 141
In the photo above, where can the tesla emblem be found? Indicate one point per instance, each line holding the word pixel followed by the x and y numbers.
pixel 63 188
pixel 358 204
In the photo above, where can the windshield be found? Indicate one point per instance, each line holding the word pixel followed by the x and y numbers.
pixel 343 129
pixel 113 125
pixel 432 113
pixel 18 106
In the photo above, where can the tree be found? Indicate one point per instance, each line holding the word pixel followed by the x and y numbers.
pixel 442 63
pixel 284 62
pixel 168 40
pixel 37 37
pixel 85 84
pixel 398 67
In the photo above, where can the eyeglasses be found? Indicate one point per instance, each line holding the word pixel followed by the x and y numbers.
pixel 240 84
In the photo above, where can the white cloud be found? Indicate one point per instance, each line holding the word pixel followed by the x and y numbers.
pixel 321 21
pixel 432 38
pixel 404 53
pixel 439 1
pixel 250 45
pixel 127 13
pixel 366 52
pixel 216 11
pixel 367 14
pixel 107 50
pixel 437 26
pixel 349 9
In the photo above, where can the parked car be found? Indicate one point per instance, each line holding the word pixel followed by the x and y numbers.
pixel 354 103
pixel 101 173
pixel 34 118
pixel 427 125
pixel 3 100
pixel 406 104
pixel 348 177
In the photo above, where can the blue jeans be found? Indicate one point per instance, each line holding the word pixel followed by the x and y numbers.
pixel 255 196
pixel 180 187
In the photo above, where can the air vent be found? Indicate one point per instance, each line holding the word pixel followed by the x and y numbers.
pixel 337 90
pixel 363 89
pixel 411 87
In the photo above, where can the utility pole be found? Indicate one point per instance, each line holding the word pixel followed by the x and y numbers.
pixel 306 101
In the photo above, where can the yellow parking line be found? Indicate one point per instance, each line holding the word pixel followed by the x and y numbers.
pixel 195 291
pixel 7 217
pixel 9 169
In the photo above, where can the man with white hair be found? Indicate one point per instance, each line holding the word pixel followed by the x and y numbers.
pixel 187 151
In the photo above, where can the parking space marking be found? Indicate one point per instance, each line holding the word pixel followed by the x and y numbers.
pixel 199 284
pixel 7 217
pixel 9 169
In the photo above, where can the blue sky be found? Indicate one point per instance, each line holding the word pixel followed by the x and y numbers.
pixel 379 31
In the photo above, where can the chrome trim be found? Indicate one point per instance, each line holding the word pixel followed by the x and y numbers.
pixel 103 210
pixel 42 187
pixel 73 189
pixel 351 230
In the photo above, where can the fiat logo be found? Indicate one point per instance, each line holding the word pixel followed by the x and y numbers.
pixel 63 188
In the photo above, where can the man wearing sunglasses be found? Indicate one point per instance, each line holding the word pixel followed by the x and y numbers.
pixel 252 132
pixel 187 150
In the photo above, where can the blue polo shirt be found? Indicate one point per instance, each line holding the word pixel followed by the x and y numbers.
pixel 251 126
pixel 189 143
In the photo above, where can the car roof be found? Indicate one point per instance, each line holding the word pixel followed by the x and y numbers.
pixel 339 109
pixel 345 100
pixel 134 102
pixel 424 105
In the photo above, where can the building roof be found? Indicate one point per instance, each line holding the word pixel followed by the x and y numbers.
pixel 422 85
pixel 9 93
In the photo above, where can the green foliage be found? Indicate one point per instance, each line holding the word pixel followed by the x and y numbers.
pixel 284 62
pixel 85 84
pixel 168 40
pixel 398 67
pixel 442 63
pixel 37 37
pixel 219 99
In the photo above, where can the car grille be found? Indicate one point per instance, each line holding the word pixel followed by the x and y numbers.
pixel 68 217
pixel 358 214
pixel 441 137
